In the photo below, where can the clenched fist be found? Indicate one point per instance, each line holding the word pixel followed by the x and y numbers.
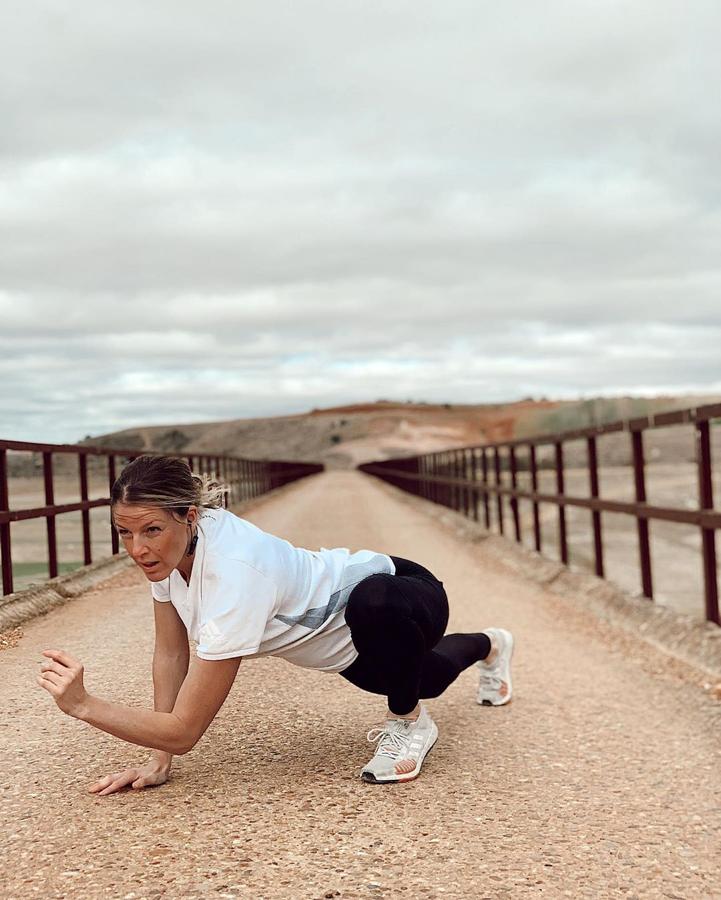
pixel 62 677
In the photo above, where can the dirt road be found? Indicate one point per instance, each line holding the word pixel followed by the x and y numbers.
pixel 600 779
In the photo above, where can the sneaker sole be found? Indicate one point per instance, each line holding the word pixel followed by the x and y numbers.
pixel 487 701
pixel 370 778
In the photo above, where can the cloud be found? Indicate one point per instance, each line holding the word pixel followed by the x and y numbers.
pixel 217 210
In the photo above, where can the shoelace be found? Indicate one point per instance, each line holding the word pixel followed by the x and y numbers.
pixel 390 742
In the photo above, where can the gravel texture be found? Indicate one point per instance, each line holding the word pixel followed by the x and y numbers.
pixel 601 778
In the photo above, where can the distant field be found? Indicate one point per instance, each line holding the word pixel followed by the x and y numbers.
pixel 23 572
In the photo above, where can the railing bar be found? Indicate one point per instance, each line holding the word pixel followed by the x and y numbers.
pixel 42 512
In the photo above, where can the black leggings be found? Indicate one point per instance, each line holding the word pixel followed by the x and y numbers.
pixel 397 624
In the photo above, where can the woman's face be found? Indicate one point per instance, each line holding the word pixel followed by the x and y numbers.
pixel 155 538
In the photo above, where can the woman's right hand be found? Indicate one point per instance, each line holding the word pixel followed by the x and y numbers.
pixel 154 771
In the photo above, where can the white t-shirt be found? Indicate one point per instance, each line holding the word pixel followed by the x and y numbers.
pixel 254 594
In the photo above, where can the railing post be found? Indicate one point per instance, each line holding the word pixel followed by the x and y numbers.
pixel 114 540
pixel 460 473
pixel 449 474
pixel 468 474
pixel 486 502
pixel 7 564
pixel 453 473
pixel 474 478
pixel 708 535
pixel 444 474
pixel 560 489
pixel 85 515
pixel 460 500
pixel 439 472
pixel 514 485
pixel 595 513
pixel 534 487
pixel 50 519
pixel 499 498
pixel 644 547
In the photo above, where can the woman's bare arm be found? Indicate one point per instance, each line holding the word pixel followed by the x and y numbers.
pixel 199 699
pixel 170 662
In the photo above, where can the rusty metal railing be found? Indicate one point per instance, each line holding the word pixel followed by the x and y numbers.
pixel 246 477
pixel 471 477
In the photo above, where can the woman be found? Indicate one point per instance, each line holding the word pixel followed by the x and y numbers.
pixel 238 591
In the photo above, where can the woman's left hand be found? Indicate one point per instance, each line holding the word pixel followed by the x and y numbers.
pixel 62 676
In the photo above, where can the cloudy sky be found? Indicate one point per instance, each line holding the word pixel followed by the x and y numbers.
pixel 217 209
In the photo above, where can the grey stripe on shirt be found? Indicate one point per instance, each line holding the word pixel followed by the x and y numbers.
pixel 315 617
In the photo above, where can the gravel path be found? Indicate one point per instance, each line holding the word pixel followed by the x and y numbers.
pixel 600 779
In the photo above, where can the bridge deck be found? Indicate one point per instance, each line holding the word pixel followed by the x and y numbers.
pixel 600 779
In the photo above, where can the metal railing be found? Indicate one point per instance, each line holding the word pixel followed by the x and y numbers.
pixel 246 477
pixel 467 478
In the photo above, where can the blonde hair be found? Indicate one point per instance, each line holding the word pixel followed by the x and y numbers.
pixel 168 483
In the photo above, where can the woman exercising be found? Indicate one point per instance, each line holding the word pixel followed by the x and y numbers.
pixel 238 591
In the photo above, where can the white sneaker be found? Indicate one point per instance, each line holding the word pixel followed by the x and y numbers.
pixel 402 745
pixel 495 686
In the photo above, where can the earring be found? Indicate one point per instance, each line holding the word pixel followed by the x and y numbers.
pixel 191 546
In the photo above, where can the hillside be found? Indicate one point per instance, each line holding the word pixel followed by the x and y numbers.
pixel 343 436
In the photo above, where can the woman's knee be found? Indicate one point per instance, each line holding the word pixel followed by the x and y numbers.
pixel 374 600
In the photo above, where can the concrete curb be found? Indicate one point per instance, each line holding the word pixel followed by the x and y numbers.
pixel 690 640
pixel 39 599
